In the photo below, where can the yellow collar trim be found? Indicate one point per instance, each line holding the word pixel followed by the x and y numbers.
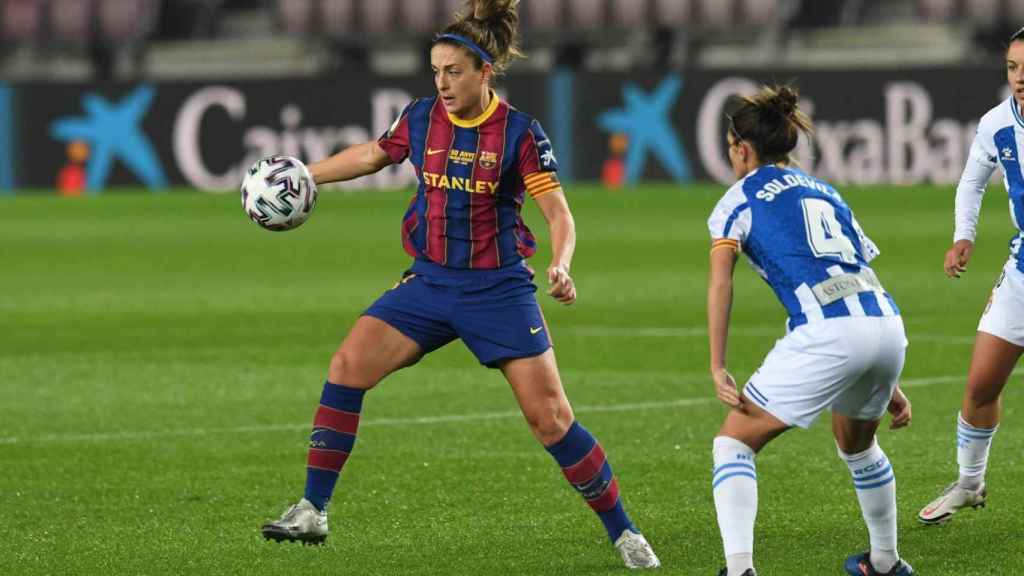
pixel 479 119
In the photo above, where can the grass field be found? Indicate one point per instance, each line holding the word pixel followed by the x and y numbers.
pixel 161 358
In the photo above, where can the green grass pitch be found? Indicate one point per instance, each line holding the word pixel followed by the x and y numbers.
pixel 161 358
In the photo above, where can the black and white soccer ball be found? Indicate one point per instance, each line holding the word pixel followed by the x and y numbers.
pixel 278 193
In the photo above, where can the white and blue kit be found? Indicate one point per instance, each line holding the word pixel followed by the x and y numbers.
pixel 845 345
pixel 999 142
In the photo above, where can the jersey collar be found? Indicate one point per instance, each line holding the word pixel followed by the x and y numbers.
pixel 1016 111
pixel 473 123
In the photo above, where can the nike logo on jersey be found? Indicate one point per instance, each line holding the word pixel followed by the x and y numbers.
pixel 536 330
pixel 432 151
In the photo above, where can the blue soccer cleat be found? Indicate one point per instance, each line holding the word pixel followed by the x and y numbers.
pixel 860 565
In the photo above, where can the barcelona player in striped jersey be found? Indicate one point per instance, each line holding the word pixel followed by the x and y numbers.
pixel 477 160
pixel 844 349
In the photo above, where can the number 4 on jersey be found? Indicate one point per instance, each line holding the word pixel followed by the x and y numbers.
pixel 825 233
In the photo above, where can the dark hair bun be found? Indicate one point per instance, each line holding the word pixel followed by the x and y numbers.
pixel 783 100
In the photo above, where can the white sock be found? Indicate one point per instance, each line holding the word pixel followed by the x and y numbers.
pixel 972 445
pixel 734 484
pixel 875 483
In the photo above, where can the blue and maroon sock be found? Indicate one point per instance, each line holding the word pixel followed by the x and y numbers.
pixel 584 464
pixel 332 439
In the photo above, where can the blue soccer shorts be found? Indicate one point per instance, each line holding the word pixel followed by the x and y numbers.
pixel 494 312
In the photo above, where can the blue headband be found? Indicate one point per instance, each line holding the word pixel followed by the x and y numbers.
pixel 468 44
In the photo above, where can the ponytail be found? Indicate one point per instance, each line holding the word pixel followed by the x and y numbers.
pixel 490 26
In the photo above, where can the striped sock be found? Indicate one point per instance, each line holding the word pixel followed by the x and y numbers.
pixel 972 446
pixel 332 439
pixel 875 482
pixel 734 485
pixel 584 464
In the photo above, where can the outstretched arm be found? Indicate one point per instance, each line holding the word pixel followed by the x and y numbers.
pixel 562 229
pixel 350 163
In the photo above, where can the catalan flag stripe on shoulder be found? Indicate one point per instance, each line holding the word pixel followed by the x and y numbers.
pixel 725 243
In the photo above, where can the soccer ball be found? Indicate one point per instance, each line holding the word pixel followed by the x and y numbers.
pixel 278 193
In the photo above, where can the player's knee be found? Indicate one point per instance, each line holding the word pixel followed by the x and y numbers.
pixel 550 424
pixel 982 393
pixel 346 370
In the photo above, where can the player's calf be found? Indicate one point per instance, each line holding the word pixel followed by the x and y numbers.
pixel 585 466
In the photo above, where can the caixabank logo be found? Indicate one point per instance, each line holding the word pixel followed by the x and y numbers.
pixel 106 132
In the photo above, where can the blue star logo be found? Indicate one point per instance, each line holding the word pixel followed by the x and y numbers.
pixel 113 131
pixel 645 120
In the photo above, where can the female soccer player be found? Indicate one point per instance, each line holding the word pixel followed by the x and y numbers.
pixel 1000 337
pixel 476 158
pixel 845 344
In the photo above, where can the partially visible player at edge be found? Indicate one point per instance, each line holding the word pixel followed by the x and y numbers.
pixel 845 345
pixel 476 158
pixel 1000 336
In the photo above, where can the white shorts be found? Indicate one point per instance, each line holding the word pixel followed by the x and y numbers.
pixel 1004 315
pixel 850 365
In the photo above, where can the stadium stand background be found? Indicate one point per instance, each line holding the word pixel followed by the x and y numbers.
pixel 168 39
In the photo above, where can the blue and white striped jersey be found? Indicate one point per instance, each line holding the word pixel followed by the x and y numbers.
pixel 999 141
pixel 805 242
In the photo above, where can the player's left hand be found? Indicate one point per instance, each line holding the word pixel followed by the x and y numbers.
pixel 899 407
pixel 562 287
pixel 726 389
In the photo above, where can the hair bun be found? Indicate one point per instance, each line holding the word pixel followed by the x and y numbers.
pixel 783 100
pixel 484 10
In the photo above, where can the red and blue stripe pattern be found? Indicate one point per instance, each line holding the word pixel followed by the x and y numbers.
pixel 473 178
pixel 332 440
pixel 585 466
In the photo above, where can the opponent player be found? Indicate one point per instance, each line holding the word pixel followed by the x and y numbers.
pixel 476 159
pixel 1000 337
pixel 845 345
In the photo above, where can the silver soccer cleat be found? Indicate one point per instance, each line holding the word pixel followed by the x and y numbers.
pixel 636 552
pixel 952 499
pixel 299 523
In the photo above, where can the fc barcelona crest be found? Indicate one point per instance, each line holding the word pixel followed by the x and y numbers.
pixel 488 160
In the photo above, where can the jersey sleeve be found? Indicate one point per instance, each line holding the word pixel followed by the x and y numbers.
pixel 536 163
pixel 395 142
pixel 981 162
pixel 731 220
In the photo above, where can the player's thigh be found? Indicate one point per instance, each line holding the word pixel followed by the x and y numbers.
pixel 538 389
pixel 802 375
pixel 881 343
pixel 1000 339
pixel 502 322
pixel 372 350
pixel 992 362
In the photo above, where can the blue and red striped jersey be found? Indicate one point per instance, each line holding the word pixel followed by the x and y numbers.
pixel 473 178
